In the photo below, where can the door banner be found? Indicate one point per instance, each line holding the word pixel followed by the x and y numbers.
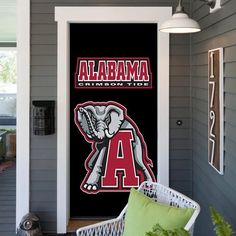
pixel 113 114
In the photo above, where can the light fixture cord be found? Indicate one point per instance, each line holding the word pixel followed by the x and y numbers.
pixel 179 8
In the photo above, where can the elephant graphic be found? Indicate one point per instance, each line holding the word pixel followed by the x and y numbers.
pixel 119 159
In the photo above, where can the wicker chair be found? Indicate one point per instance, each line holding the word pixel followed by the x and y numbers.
pixel 158 192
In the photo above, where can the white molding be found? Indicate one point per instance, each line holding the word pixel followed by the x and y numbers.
pixel 23 110
pixel 63 128
pixel 7 48
pixel 163 110
pixel 221 98
pixel 66 15
pixel 217 6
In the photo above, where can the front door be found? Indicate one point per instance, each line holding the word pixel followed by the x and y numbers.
pixel 112 107
pixel 113 114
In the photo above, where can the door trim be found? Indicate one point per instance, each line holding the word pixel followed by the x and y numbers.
pixel 23 110
pixel 66 15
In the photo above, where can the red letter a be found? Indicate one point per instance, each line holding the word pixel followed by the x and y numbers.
pixel 83 71
pixel 120 158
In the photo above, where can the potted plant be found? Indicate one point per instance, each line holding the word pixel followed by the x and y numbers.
pixel 159 231
pixel 221 227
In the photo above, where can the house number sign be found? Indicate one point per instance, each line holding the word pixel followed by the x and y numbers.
pixel 215 108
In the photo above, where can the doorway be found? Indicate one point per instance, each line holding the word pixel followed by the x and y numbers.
pixel 67 15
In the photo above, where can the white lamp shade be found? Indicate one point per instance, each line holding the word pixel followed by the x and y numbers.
pixel 180 23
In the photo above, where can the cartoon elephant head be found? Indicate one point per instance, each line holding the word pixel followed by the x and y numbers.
pixel 100 121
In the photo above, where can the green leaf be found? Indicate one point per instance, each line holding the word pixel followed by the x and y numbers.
pixel 221 227
pixel 159 231
pixel 8 67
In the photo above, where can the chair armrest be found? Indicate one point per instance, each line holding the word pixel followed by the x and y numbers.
pixel 113 227
pixel 190 225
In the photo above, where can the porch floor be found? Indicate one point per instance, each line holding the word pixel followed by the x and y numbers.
pixel 7 197
pixel 74 224
pixel 8 204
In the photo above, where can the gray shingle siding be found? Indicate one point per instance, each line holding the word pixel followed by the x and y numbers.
pixel 43 86
pixel 210 188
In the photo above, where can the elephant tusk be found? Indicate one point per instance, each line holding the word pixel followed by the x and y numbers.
pixel 108 134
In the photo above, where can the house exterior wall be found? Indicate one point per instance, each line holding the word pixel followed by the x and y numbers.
pixel 210 188
pixel 43 87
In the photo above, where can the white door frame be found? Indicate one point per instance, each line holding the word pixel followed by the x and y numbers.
pixel 66 15
pixel 23 110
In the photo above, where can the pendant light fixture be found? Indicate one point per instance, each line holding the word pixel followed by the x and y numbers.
pixel 180 22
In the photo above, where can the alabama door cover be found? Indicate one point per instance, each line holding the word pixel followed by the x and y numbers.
pixel 113 114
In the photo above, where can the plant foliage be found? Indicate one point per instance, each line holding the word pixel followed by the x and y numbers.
pixel 159 231
pixel 221 227
pixel 8 67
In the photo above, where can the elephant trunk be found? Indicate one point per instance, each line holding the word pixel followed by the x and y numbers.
pixel 101 127
pixel 90 124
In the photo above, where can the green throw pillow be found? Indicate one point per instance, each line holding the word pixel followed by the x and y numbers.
pixel 143 213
